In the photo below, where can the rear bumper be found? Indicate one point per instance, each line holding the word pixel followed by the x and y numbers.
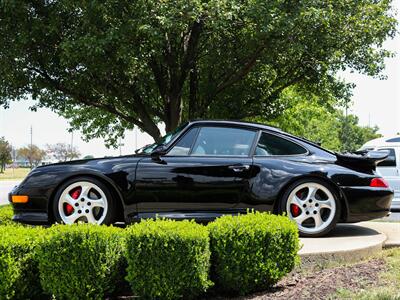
pixel 367 203
pixel 395 203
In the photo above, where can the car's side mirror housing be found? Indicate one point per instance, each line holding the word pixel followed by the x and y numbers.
pixel 158 151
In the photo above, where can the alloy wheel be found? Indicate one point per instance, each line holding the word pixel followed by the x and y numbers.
pixel 312 206
pixel 83 201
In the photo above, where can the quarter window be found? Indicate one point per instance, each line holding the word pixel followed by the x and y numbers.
pixel 390 161
pixel 222 141
pixel 270 145
pixel 183 146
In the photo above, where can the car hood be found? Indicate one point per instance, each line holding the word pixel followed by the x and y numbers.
pixel 93 161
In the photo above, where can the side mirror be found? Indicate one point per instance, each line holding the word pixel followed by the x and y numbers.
pixel 157 152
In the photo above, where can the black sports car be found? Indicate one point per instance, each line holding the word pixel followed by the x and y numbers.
pixel 206 169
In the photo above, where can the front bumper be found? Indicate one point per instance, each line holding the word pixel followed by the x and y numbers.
pixel 33 212
pixel 367 203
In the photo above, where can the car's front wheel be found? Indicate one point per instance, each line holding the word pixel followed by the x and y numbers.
pixel 83 200
pixel 313 205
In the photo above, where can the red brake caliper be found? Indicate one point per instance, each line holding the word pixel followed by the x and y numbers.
pixel 69 209
pixel 294 209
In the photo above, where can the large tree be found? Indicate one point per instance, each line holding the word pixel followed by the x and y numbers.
pixel 5 153
pixel 322 121
pixel 63 151
pixel 32 153
pixel 109 65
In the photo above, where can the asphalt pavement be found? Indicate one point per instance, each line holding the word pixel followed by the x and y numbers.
pixel 394 216
pixel 5 187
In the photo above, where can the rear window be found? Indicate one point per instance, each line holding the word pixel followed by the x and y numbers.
pixel 270 145
pixel 390 161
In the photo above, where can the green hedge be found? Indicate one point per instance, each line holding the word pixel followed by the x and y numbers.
pixel 18 267
pixel 253 251
pixel 168 259
pixel 6 214
pixel 81 261
pixel 162 258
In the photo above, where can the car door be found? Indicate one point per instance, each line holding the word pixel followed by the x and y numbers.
pixel 389 169
pixel 206 170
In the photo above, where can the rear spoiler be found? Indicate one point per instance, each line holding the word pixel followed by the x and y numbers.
pixel 362 159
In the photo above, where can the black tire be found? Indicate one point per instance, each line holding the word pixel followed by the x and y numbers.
pixel 112 207
pixel 282 205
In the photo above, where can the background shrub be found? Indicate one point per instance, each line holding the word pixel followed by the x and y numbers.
pixel 252 252
pixel 18 268
pixel 81 261
pixel 6 214
pixel 167 259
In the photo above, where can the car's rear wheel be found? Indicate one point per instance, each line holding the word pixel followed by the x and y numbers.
pixel 313 205
pixel 83 199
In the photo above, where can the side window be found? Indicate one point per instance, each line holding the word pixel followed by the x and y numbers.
pixel 182 147
pixel 270 145
pixel 223 141
pixel 390 161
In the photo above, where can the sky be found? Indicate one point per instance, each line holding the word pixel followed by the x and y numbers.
pixel 374 101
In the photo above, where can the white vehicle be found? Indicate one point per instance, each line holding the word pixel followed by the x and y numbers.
pixel 390 167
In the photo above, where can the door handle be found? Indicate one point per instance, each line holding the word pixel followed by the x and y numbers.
pixel 239 168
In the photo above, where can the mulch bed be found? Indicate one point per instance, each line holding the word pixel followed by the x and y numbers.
pixel 321 284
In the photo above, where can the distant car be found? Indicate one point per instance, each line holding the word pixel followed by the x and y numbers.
pixel 389 169
pixel 206 169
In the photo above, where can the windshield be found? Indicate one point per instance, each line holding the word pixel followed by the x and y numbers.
pixel 163 141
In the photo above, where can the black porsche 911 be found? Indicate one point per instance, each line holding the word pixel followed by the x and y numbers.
pixel 206 169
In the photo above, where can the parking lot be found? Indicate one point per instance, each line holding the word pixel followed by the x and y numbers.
pixel 5 188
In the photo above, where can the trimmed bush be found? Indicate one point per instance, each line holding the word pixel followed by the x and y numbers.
pixel 6 214
pixel 252 252
pixel 167 259
pixel 18 268
pixel 81 261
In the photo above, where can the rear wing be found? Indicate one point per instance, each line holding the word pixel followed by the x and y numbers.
pixel 363 159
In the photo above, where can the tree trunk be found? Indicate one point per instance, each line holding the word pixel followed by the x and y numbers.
pixel 173 113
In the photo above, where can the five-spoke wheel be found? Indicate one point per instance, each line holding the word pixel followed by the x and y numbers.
pixel 313 205
pixel 83 200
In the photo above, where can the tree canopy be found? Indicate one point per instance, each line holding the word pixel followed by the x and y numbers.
pixel 33 154
pixel 109 65
pixel 5 153
pixel 63 151
pixel 306 115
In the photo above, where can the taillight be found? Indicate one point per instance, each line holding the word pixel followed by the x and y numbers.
pixel 379 182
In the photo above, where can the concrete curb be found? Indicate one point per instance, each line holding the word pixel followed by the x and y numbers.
pixel 390 229
pixel 347 243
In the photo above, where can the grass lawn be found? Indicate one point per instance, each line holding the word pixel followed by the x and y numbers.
pixel 387 285
pixel 16 174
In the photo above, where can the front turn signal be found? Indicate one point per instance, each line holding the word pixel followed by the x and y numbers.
pixel 379 182
pixel 19 199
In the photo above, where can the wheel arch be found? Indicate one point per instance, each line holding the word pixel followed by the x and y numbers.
pixel 116 194
pixel 328 181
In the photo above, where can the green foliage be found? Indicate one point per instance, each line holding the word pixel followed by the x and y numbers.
pixel 32 153
pixel 5 154
pixel 168 259
pixel 81 261
pixel 253 251
pixel 353 136
pixel 18 267
pixel 6 214
pixel 319 120
pixel 109 65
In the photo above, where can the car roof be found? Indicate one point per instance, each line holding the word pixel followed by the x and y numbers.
pixel 237 123
pixel 386 141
